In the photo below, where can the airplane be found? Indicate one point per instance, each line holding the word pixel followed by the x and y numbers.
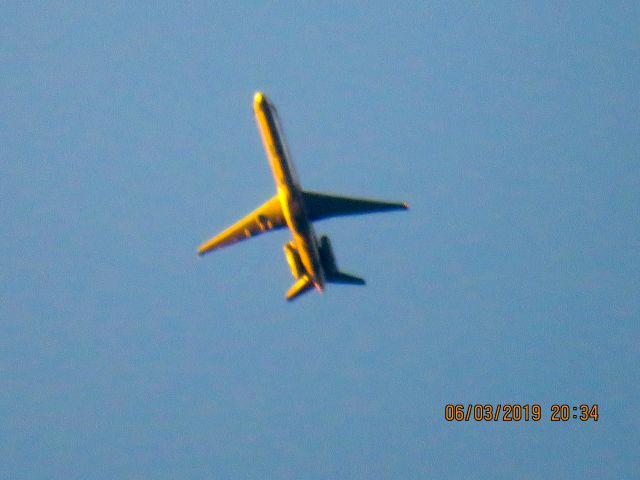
pixel 312 262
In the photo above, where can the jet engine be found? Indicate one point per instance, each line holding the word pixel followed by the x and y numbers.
pixel 293 259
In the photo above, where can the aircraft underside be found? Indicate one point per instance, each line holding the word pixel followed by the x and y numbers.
pixel 312 263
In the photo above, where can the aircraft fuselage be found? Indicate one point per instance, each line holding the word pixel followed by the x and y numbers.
pixel 288 188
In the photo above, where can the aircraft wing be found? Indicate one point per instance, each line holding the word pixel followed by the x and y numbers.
pixel 322 205
pixel 265 218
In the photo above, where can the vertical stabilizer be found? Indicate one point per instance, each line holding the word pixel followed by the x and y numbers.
pixel 331 271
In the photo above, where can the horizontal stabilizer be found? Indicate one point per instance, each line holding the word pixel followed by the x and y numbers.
pixel 302 285
pixel 331 271
pixel 322 205
pixel 345 279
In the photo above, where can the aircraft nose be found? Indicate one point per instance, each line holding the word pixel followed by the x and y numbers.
pixel 258 98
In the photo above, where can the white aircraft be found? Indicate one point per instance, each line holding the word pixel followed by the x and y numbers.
pixel 312 263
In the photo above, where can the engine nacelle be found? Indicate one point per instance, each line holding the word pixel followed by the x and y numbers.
pixel 293 259
pixel 327 257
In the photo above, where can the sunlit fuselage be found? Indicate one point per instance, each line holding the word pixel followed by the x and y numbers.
pixel 289 190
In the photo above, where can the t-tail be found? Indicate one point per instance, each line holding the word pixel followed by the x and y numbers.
pixel 331 271
pixel 332 274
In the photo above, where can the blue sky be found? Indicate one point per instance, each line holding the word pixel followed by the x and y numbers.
pixel 128 138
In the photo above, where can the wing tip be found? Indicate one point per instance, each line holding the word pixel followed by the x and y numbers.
pixel 204 248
